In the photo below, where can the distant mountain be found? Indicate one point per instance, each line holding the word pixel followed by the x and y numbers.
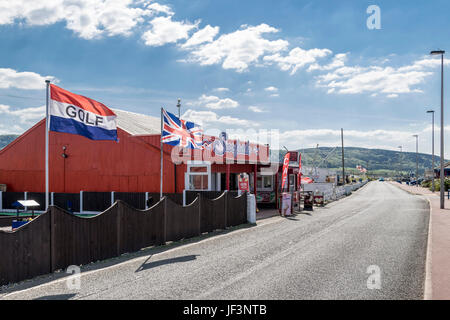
pixel 377 161
pixel 6 139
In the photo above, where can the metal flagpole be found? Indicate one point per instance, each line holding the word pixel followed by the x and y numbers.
pixel 161 182
pixel 47 124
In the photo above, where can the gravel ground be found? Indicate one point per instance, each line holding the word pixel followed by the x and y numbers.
pixel 323 254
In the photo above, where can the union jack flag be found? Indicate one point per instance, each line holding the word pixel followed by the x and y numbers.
pixel 178 132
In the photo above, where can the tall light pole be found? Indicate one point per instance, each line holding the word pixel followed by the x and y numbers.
pixel 343 165
pixel 417 158
pixel 400 162
pixel 432 144
pixel 442 172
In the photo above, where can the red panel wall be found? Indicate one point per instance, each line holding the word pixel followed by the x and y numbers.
pixel 132 165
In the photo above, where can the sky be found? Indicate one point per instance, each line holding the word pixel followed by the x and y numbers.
pixel 304 68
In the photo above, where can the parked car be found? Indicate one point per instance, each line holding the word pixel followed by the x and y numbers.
pixel 381 179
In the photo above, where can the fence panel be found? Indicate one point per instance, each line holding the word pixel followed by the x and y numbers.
pixel 182 222
pixel 140 228
pixel 25 251
pixel 67 201
pixel 39 197
pixel 134 199
pixel 9 198
pixel 96 201
pixel 79 240
pixel 213 215
pixel 175 197
pixel 236 210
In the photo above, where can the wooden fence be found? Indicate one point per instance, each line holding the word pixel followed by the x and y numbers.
pixel 57 239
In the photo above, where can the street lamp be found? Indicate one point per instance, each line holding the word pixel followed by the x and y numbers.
pixel 432 144
pixel 400 163
pixel 417 159
pixel 442 172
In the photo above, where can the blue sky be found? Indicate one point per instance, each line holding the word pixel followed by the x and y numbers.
pixel 306 68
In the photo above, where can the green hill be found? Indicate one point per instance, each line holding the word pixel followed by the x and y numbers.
pixel 377 161
pixel 6 139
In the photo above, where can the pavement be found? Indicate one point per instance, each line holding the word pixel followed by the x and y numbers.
pixel 438 261
pixel 370 245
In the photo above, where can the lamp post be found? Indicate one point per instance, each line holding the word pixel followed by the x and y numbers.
pixel 417 158
pixel 432 145
pixel 400 163
pixel 442 172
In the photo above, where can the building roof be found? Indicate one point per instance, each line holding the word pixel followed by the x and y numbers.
pixel 136 123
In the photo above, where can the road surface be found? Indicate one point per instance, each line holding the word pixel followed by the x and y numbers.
pixel 328 254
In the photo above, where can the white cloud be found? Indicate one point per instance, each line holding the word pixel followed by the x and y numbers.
pixel 165 30
pixel 238 50
pixel 337 62
pixel 271 89
pixel 156 7
pixel 375 79
pixel 393 95
pixel 210 119
pixel 87 18
pixel 382 139
pixel 25 115
pixel 10 78
pixel 221 89
pixel 256 109
pixel 213 102
pixel 206 34
pixel 297 58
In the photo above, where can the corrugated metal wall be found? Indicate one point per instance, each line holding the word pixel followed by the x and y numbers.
pixel 132 165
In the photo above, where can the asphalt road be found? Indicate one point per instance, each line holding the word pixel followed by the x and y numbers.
pixel 324 255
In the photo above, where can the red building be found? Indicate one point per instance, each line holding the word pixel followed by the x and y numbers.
pixel 130 165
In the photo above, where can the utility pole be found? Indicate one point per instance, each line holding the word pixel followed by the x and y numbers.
pixel 432 145
pixel 442 171
pixel 400 163
pixel 417 159
pixel 343 165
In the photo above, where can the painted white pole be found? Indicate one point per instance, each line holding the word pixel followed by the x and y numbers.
pixel 47 125
pixel 81 201
pixel 161 182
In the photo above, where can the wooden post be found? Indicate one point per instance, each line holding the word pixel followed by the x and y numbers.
pixel 119 209
pixel 51 212
pixel 228 176
pixel 199 213
pixel 226 208
pixel 255 180
pixel 165 221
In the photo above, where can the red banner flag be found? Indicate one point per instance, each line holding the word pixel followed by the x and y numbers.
pixel 285 171
pixel 299 176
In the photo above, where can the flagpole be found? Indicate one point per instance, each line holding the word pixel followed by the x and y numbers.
pixel 47 122
pixel 161 181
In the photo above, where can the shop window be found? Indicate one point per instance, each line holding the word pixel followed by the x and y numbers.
pixel 264 183
pixel 198 176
